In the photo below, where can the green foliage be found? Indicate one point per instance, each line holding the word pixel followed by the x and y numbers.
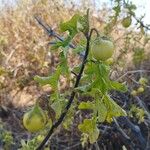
pixel 130 7
pixel 137 112
pixel 58 105
pixel 86 105
pixel 51 80
pixel 89 127
pixel 113 109
pixel 95 83
pixel 113 19
pixel 139 55
pixel 32 144
pixel 68 121
pixel 76 24
pixel 6 138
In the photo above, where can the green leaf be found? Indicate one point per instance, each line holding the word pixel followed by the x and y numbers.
pixel 113 109
pixel 90 68
pixel 70 25
pixel 79 49
pixel 64 63
pixel 83 88
pixel 83 24
pixel 51 80
pixel 58 106
pixel 76 24
pixel 64 43
pixel 89 127
pixel 86 105
pixel 103 70
pixel 101 77
pixel 102 111
pixel 118 86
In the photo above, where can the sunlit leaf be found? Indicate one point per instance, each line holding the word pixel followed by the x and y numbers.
pixel 86 105
pixel 118 86
pixel 89 127
pixel 51 80
pixel 113 109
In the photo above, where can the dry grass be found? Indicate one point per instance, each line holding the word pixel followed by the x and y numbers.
pixel 23 46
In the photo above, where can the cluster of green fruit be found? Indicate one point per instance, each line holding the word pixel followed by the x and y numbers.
pixel 142 81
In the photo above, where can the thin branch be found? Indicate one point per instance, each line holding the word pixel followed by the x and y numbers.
pixel 50 31
pixel 141 23
pixel 74 73
pixel 120 130
pixel 131 72
pixel 147 86
pixel 97 33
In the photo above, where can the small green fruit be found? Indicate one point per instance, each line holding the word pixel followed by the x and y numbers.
pixel 102 49
pixel 126 22
pixel 140 90
pixel 35 119
pixel 134 93
pixel 143 81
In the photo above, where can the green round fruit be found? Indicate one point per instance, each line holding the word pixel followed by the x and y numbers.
pixel 102 49
pixel 134 93
pixel 143 81
pixel 140 90
pixel 35 119
pixel 126 22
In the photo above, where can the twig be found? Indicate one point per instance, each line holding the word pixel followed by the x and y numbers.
pixel 121 131
pixel 73 146
pixel 131 72
pixel 141 23
pixel 137 82
pixel 50 31
pixel 97 146
pixel 74 73
pixel 10 55
pixel 135 130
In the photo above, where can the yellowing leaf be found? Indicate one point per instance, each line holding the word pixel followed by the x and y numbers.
pixel 113 109
pixel 86 105
pixel 89 127
pixel 102 112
